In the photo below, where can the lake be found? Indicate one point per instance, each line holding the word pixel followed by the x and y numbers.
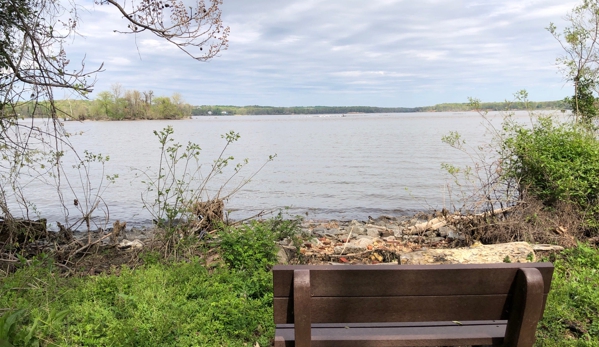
pixel 327 166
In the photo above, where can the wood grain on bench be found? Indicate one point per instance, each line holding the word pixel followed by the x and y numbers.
pixel 488 304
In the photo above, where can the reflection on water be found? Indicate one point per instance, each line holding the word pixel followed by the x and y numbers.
pixel 328 167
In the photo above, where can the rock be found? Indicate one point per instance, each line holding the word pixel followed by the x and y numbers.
pixel 387 233
pixel 334 231
pixel 435 240
pixel 363 242
pixel 514 252
pixel 319 230
pixel 445 230
pixel 356 228
pixel 455 235
pixel 130 245
pixel 343 237
pixel 392 227
pixel 285 254
pixel 349 249
pixel 398 232
pixel 282 256
pixel 373 232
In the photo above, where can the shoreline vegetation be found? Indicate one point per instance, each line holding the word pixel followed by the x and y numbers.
pixel 121 104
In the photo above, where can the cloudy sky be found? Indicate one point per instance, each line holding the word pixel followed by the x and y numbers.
pixel 344 52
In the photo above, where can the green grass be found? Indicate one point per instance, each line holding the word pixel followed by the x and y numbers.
pixel 178 304
pixel 571 317
pixel 185 304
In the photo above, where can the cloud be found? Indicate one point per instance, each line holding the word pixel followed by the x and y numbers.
pixel 345 52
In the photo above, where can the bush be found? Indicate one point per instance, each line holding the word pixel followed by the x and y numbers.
pixel 555 162
pixel 253 246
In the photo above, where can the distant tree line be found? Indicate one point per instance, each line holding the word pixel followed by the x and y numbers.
pixel 116 104
pixel 498 106
pixel 219 110
pixel 120 104
pixel 269 110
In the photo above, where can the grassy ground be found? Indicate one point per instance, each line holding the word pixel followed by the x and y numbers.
pixel 228 303
pixel 572 314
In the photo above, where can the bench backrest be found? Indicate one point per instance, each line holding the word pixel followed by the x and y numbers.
pixel 403 293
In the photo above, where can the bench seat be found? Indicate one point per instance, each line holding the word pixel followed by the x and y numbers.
pixel 399 334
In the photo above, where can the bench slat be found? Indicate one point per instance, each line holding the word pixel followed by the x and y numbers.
pixel 411 280
pixel 444 334
pixel 398 309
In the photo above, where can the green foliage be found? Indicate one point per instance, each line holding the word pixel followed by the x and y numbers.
pixel 177 304
pixel 181 191
pixel 571 315
pixel 554 161
pixel 579 64
pixel 253 246
pixel 584 102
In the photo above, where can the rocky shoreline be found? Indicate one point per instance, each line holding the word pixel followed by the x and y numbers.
pixel 418 239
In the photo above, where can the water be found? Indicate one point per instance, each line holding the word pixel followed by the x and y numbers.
pixel 327 166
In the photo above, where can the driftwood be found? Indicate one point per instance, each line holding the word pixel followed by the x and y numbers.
pixel 436 223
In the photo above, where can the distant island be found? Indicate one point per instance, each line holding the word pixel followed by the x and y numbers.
pixel 219 110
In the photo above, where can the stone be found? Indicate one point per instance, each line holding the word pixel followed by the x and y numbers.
pixel 398 232
pixel 435 240
pixel 455 235
pixel 445 230
pixel 386 233
pixel 334 231
pixel 130 245
pixel 285 253
pixel 363 242
pixel 373 232
pixel 392 227
pixel 356 229
pixel 319 231
pixel 282 256
pixel 342 237
pixel 348 249
pixel 514 252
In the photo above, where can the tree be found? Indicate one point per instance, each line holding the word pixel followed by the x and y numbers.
pixel 34 64
pixel 580 64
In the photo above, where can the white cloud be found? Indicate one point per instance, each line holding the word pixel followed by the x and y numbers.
pixel 336 52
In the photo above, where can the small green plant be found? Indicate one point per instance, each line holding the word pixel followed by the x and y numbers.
pixel 180 192
pixel 249 247
pixel 507 259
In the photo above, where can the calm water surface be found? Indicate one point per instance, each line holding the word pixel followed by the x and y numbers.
pixel 327 166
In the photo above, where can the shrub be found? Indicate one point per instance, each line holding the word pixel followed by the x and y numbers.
pixel 556 162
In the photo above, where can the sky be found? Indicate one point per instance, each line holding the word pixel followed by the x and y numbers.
pixel 386 53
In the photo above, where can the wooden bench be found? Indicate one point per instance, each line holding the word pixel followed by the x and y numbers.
pixel 409 305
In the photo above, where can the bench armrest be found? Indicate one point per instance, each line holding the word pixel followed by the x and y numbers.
pixel 526 308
